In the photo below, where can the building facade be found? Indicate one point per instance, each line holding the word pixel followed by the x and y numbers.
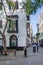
pixel 41 25
pixel 31 34
pixel 16 28
pixel 29 31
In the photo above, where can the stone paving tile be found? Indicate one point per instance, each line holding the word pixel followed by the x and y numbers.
pixel 31 59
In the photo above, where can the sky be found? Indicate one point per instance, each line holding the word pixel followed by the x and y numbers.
pixel 34 19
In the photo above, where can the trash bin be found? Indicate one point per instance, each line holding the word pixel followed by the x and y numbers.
pixel 34 49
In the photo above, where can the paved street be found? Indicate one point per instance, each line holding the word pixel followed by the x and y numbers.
pixel 31 59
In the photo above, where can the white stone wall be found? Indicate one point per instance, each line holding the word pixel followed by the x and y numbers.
pixel 22 29
pixel 21 35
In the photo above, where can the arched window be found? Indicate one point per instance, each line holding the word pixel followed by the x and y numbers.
pixel 13 41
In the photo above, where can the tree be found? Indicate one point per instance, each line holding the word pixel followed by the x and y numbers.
pixel 31 6
pixel 11 4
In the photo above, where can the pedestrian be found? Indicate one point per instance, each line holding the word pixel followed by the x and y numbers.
pixel 37 46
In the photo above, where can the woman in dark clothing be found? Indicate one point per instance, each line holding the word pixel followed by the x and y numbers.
pixel 37 47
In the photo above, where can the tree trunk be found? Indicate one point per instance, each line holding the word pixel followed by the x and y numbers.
pixel 4 42
pixel 3 34
pixel 4 39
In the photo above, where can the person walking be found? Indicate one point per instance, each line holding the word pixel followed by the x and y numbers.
pixel 37 47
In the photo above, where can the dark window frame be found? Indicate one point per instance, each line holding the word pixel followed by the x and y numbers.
pixel 0 5
pixel 16 5
pixel 0 23
pixel 11 40
pixel 14 30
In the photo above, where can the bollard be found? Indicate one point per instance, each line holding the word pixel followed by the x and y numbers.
pixel 1 52
pixel 15 52
pixel 5 54
pixel 25 52
pixel 1 48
